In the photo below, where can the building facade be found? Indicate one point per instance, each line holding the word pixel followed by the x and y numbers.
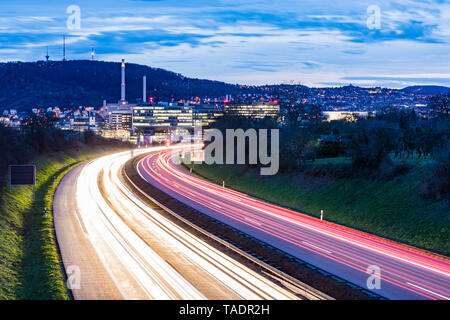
pixel 256 111
pixel 163 116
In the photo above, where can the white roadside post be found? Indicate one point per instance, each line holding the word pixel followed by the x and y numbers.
pixel 223 184
pixel 321 214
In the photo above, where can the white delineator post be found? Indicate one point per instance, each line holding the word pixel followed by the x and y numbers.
pixel 321 214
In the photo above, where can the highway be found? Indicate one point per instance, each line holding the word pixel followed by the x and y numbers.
pixel 124 249
pixel 406 272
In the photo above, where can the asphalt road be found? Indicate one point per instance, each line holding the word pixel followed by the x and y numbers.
pixel 76 247
pixel 406 272
pixel 126 250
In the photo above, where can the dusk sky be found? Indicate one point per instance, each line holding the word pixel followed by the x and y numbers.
pixel 316 43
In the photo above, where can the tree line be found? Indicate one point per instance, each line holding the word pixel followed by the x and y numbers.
pixel 38 136
pixel 378 147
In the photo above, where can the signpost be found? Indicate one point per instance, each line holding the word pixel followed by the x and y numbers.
pixel 22 175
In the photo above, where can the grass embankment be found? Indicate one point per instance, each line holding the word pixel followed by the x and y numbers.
pixel 30 265
pixel 392 209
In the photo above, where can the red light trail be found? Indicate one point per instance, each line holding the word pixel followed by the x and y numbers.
pixel 407 272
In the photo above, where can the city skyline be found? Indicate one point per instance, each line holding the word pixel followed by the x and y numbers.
pixel 259 42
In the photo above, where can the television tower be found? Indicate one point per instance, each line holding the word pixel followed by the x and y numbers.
pixel 47 57
pixel 64 47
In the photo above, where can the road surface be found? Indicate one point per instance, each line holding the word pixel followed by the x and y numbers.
pixel 126 250
pixel 406 273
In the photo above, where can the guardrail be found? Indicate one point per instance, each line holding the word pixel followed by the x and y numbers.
pixel 272 270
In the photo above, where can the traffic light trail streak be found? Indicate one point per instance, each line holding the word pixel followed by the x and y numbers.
pixel 120 243
pixel 406 272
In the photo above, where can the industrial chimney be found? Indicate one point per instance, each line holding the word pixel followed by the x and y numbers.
pixel 122 92
pixel 144 89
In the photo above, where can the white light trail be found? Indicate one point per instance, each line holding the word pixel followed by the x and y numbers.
pixel 119 224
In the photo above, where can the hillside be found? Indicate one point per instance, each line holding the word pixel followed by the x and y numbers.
pixel 26 85
pixel 393 209
pixel 74 83
pixel 427 90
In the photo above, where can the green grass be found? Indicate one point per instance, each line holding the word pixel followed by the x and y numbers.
pixel 392 209
pixel 30 265
pixel 337 160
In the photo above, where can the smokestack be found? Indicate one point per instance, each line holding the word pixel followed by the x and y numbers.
pixel 123 82
pixel 144 89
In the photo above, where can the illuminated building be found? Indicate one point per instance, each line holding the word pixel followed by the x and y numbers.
pixel 119 117
pixel 83 122
pixel 256 111
pixel 347 115
pixel 163 116
pixel 206 115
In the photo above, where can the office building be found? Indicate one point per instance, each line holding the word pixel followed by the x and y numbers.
pixel 255 111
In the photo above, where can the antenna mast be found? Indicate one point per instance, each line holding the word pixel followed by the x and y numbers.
pixel 64 47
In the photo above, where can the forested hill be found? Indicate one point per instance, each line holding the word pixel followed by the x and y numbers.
pixel 25 85
pixel 427 90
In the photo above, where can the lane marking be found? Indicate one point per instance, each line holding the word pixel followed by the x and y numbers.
pixel 319 248
pixel 429 291
pixel 253 221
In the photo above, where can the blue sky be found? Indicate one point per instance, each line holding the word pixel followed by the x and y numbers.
pixel 313 42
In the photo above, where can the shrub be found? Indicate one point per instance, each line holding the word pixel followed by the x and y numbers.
pixel 437 185
pixel 330 150
pixel 389 170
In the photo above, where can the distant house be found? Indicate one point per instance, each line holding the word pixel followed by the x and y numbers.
pixel 345 115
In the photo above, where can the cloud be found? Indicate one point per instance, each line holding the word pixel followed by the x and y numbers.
pixel 441 79
pixel 259 41
pixel 311 65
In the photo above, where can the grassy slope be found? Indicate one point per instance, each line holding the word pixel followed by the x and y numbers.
pixel 30 266
pixel 392 209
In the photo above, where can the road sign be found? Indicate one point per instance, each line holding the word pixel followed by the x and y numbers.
pixel 22 175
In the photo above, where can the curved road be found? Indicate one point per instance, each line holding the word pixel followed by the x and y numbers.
pixel 406 272
pixel 124 249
